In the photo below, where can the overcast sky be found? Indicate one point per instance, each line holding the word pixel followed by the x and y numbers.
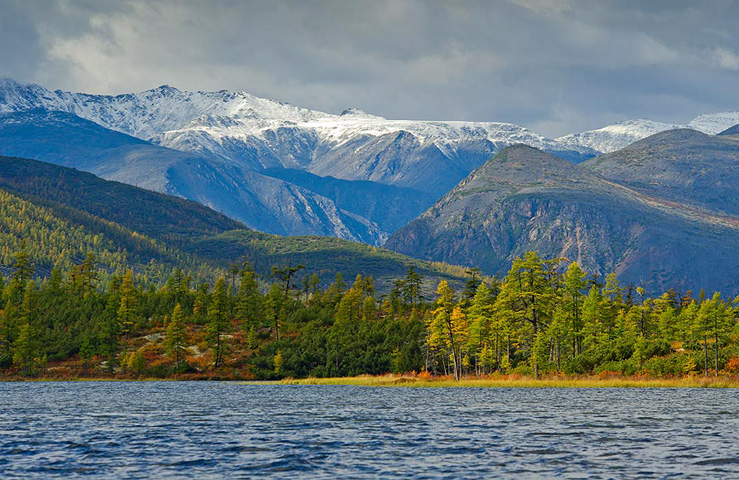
pixel 553 66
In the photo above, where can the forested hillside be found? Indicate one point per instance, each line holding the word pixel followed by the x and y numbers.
pixel 64 238
pixel 154 214
pixel 190 233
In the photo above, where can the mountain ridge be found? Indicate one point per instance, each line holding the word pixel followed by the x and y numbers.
pixel 524 199
pixel 174 227
pixel 264 203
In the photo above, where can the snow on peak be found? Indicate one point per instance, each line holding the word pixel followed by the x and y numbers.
pixel 616 136
pixel 713 123
pixel 152 112
pixel 358 112
pixel 165 113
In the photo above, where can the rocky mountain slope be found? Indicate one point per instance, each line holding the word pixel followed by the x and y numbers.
pixel 276 167
pixel 525 199
pixel 682 166
pixel 259 133
pixel 265 203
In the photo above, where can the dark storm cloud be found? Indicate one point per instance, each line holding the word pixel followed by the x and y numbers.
pixel 555 66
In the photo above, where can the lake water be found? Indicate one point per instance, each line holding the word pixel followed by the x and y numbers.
pixel 227 430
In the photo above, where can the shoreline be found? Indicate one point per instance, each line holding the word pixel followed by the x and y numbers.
pixel 519 382
pixel 410 381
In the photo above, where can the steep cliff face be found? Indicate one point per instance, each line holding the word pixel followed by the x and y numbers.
pixel 524 199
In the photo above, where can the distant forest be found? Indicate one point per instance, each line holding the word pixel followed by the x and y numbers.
pixel 545 316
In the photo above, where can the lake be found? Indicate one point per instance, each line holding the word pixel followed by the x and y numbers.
pixel 229 430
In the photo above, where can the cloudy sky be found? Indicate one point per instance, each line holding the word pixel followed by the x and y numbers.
pixel 554 66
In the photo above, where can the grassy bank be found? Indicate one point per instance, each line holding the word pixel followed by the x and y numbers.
pixel 421 381
pixel 522 382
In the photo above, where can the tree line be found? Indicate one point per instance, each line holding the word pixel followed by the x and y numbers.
pixel 545 316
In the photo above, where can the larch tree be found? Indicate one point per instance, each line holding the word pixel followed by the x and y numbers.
pixel 176 335
pixel 481 328
pixel 128 306
pixel 443 329
pixel 527 297
pixel 574 284
pixel 249 303
pixel 218 321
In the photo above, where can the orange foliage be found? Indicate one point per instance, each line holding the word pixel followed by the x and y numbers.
pixel 732 366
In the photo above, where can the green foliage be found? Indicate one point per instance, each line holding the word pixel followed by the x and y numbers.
pixel 540 319
pixel 43 238
pixel 218 321
pixel 324 257
pixel 176 335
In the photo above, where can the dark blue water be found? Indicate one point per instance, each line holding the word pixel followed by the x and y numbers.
pixel 223 430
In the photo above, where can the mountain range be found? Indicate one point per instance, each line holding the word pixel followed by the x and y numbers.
pixel 236 147
pixel 662 213
pixel 640 198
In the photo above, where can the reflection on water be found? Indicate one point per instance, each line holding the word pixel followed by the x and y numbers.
pixel 169 429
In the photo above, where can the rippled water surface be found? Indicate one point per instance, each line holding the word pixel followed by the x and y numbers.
pixel 224 430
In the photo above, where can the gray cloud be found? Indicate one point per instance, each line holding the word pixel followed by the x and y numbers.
pixel 554 65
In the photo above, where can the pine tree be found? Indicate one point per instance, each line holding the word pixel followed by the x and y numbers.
pixel 350 305
pixel 274 309
pixel 202 299
pixel 481 328
pixel 411 289
pixel 574 283
pixel 285 275
pixel 527 298
pixel 712 319
pixel 593 318
pixel 22 274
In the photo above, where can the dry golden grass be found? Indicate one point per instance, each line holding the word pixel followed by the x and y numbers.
pixel 512 381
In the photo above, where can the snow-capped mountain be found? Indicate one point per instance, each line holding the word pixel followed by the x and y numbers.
pixel 146 114
pixel 236 137
pixel 622 134
pixel 239 144
pixel 617 136
pixel 260 133
pixel 264 202
pixel 714 123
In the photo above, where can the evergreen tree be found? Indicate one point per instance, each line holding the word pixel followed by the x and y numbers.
pixel 411 287
pixel 482 332
pixel 22 274
pixel 574 283
pixel 445 327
